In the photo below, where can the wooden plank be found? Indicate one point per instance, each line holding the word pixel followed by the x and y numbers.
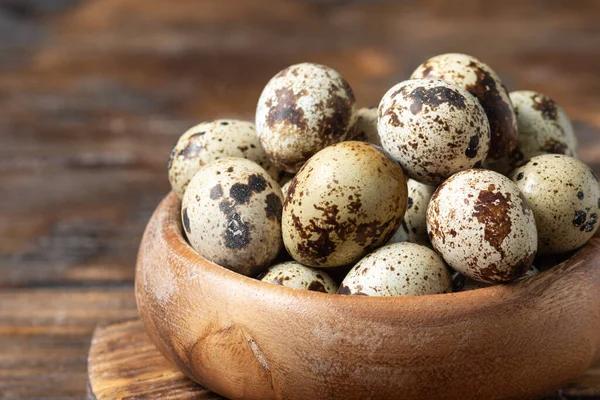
pixel 45 336
pixel 123 363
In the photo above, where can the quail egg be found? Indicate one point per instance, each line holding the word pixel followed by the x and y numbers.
pixel 482 226
pixel 212 140
pixel 399 269
pixel 292 274
pixel 565 197
pixel 543 127
pixel 348 199
pixel 285 188
pixel 470 284
pixel 303 109
pixel 482 82
pixel 365 127
pixel 433 129
pixel 231 214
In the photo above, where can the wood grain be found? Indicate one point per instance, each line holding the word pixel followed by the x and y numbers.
pixel 123 363
pixel 94 93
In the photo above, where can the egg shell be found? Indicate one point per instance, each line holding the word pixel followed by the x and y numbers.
pixel 345 201
pixel 303 109
pixel 470 284
pixel 210 141
pixel 433 129
pixel 399 269
pixel 231 214
pixel 365 127
pixel 482 82
pixel 415 218
pixel 292 274
pixel 565 198
pixel 543 127
pixel 285 188
pixel 482 226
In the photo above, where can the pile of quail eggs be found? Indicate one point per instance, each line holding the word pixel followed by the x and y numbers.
pixel 452 183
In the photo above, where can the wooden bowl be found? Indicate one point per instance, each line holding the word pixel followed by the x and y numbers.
pixel 243 338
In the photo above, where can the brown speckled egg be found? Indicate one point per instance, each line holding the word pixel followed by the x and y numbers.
pixel 292 274
pixel 482 226
pixel 347 199
pixel 414 225
pixel 303 109
pixel 231 214
pixel 543 127
pixel 482 82
pixel 471 284
pixel 365 127
pixel 565 198
pixel 399 269
pixel 433 129
pixel 212 140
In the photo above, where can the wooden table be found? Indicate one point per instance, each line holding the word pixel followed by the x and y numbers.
pixel 94 93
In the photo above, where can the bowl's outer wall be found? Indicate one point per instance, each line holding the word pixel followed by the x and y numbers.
pixel 247 339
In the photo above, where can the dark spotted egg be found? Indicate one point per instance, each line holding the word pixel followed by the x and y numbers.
pixel 433 129
pixel 231 214
pixel 365 127
pixel 400 269
pixel 414 224
pixel 292 274
pixel 565 198
pixel 483 83
pixel 471 284
pixel 346 200
pixel 482 226
pixel 543 127
pixel 212 140
pixel 303 109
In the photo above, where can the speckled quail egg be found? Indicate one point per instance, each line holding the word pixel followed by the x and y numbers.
pixel 399 269
pixel 471 284
pixel 212 140
pixel 365 127
pixel 565 197
pixel 482 226
pixel 292 274
pixel 285 188
pixel 543 127
pixel 433 129
pixel 303 109
pixel 482 82
pixel 231 214
pixel 346 200
pixel 414 224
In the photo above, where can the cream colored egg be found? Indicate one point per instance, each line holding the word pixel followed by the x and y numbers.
pixel 285 188
pixel 303 109
pixel 482 82
pixel 365 127
pixel 400 269
pixel 231 214
pixel 292 274
pixel 212 140
pixel 346 200
pixel 482 226
pixel 543 127
pixel 433 129
pixel 565 198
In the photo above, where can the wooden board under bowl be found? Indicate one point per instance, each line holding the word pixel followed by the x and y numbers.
pixel 124 364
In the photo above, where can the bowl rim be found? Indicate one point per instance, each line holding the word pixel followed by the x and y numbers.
pixel 173 230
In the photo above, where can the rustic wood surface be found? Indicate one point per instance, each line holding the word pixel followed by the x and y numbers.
pixel 123 363
pixel 93 93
